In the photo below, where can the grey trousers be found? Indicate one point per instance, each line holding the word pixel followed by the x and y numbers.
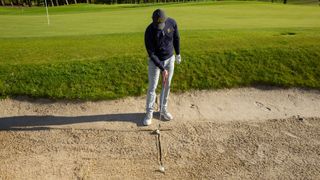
pixel 153 76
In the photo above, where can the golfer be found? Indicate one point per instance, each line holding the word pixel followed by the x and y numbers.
pixel 161 39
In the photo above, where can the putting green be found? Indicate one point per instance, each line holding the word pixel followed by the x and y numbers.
pixel 101 19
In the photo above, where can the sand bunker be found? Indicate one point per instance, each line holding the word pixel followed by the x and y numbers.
pixel 239 133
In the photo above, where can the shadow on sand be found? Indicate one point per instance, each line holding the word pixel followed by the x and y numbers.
pixel 41 122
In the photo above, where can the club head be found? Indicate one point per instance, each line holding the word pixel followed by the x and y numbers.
pixel 161 169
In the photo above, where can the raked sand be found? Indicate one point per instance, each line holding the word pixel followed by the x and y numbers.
pixel 249 133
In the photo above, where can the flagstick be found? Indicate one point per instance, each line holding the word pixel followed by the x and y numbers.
pixel 48 19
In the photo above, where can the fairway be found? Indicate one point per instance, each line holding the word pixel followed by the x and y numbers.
pixel 97 51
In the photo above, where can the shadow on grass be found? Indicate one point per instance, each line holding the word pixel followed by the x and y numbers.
pixel 21 123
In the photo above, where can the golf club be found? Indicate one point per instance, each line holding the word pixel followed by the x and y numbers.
pixel 164 81
pixel 161 168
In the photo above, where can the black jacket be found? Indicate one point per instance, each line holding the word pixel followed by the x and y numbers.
pixel 160 43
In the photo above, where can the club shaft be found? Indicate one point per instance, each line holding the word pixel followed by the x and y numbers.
pixel 160 149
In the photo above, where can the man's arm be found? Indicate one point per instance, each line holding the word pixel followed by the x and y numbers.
pixel 176 39
pixel 149 43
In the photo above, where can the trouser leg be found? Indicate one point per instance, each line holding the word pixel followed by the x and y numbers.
pixel 153 78
pixel 169 66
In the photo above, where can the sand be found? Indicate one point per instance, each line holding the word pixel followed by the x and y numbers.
pixel 245 133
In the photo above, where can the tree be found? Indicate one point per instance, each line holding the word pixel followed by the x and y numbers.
pixel 2 3
pixel 67 2
pixel 284 1
pixel 29 3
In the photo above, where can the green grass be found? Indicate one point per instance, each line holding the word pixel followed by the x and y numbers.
pixel 119 20
pixel 97 51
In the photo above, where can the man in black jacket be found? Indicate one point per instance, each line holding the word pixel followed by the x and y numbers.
pixel 161 39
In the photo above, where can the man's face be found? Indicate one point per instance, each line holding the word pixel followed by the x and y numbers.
pixel 159 19
pixel 159 26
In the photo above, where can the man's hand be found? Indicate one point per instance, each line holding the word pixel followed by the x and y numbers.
pixel 164 76
pixel 178 59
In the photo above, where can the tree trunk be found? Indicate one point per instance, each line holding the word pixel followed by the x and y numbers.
pixel 52 3
pixel 2 3
pixel 75 1
pixel 67 2
pixel 284 1
pixel 88 2
pixel 57 2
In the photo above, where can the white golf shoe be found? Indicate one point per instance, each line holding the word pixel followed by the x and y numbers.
pixel 148 119
pixel 166 115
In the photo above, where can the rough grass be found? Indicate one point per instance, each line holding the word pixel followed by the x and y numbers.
pixel 265 44
pixel 114 78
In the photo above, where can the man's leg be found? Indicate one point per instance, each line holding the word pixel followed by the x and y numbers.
pixel 153 77
pixel 169 66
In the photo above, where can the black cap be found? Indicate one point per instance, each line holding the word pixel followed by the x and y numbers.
pixel 159 18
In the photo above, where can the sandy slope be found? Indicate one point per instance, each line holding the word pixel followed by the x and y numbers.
pixel 238 133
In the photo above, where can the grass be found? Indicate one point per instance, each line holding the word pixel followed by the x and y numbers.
pixel 119 20
pixel 96 51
